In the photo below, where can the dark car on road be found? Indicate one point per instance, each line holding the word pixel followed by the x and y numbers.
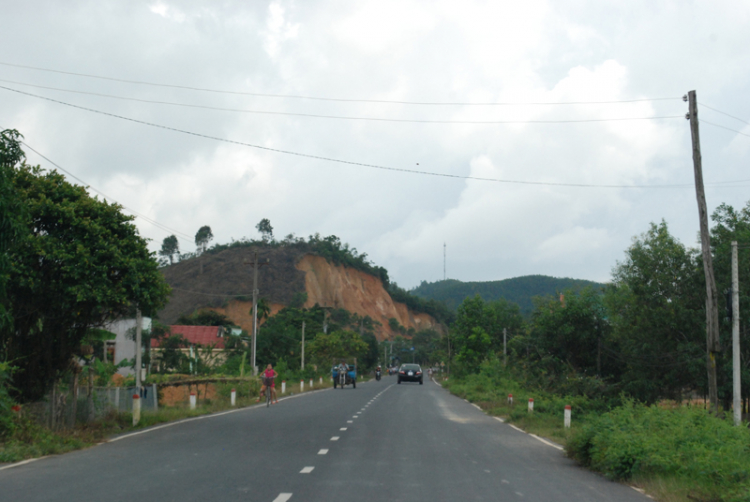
pixel 410 373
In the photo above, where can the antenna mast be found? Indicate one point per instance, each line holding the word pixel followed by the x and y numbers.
pixel 444 277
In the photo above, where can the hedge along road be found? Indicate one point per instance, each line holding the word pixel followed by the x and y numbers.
pixel 378 442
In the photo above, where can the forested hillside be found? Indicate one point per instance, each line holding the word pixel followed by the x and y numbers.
pixel 519 290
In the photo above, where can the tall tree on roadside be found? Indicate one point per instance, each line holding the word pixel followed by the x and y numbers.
pixel 11 228
pixel 265 229
pixel 170 247
pixel 656 308
pixel 79 265
pixel 202 238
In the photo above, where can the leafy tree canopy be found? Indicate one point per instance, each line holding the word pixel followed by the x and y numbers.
pixel 79 264
pixel 170 247
pixel 203 237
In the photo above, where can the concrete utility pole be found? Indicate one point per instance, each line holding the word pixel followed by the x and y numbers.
pixel 303 345
pixel 737 402
pixel 444 276
pixel 505 347
pixel 712 308
pixel 138 333
pixel 255 265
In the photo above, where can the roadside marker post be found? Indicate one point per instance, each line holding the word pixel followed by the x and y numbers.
pixel 234 397
pixel 510 399
pixel 321 380
pixel 283 386
pixel 302 386
pixel 136 409
pixel 531 405
pixel 192 400
pixel 311 383
pixel 567 416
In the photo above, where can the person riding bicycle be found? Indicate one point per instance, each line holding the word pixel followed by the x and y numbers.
pixel 267 377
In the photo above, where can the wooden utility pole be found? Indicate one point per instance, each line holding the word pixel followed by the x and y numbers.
pixel 736 379
pixel 712 308
pixel 303 345
pixel 255 265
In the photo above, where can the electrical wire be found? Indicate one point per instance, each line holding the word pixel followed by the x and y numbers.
pixel 155 223
pixel 341 161
pixel 344 100
pixel 211 294
pixel 343 117
pixel 724 113
pixel 702 121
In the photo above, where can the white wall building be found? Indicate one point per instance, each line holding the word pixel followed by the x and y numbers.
pixel 124 344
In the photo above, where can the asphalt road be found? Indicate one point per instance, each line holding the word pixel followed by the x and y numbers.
pixel 379 442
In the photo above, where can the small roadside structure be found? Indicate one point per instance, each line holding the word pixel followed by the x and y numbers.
pixel 200 342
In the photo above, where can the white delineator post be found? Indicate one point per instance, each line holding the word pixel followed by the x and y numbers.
pixel 136 409
pixel 302 386
pixel 567 416
pixel 510 399
pixel 321 380
pixel 234 396
pixel 192 400
pixel 311 383
pixel 283 387
pixel 531 405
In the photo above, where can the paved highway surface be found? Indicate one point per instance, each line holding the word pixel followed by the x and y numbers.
pixel 379 442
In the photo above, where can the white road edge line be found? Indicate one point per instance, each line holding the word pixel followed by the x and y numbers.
pixel 283 497
pixel 516 428
pixel 22 462
pixel 306 470
pixel 499 419
pixel 553 445
pixel 477 407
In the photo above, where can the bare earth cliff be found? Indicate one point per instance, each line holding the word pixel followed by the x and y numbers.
pixel 226 285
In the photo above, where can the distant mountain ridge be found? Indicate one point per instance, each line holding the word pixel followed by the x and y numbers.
pixel 518 289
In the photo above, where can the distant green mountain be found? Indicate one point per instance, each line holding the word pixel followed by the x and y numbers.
pixel 519 289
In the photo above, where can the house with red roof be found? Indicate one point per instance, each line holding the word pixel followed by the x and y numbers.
pixel 206 342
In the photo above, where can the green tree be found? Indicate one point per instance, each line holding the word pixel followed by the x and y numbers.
pixel 265 229
pixel 325 349
pixel 11 209
pixel 732 225
pixel 656 309
pixel 202 238
pixel 571 334
pixel 79 265
pixel 205 317
pixel 170 247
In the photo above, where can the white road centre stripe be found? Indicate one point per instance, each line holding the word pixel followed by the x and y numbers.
pixel 323 451
pixel 335 438
pixel 306 470
pixel 283 497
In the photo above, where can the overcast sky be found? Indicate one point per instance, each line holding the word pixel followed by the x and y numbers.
pixel 360 52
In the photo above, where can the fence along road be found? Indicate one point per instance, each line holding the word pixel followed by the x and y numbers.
pixel 378 442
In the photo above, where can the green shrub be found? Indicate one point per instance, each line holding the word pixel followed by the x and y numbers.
pixel 649 441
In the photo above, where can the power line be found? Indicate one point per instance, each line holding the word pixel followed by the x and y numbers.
pixel 212 294
pixel 341 117
pixel 340 161
pixel 143 217
pixel 317 98
pixel 724 113
pixel 702 121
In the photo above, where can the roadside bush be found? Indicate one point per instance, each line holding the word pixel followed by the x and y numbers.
pixel 635 440
pixel 7 418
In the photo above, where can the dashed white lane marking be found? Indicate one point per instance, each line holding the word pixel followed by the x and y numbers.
pixel 323 451
pixel 355 416
pixel 553 445
pixel 283 497
pixel 342 429
pixel 359 413
pixel 499 419
pixel 306 470
pixel 505 481
pixel 350 421
pixel 335 438
pixel 519 494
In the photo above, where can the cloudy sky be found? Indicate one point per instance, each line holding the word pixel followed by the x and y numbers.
pixel 397 84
